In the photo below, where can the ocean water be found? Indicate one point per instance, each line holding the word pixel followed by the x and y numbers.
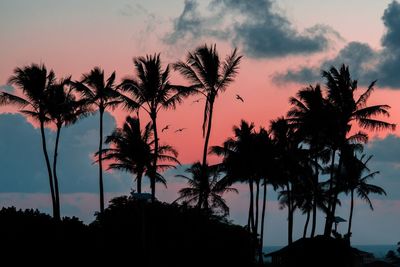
pixel 379 251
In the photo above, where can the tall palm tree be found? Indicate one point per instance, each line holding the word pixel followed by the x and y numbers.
pixel 152 91
pixel 249 157
pixel 239 163
pixel 34 81
pixel 131 150
pixel 349 109
pixel 214 200
pixel 312 117
pixel 357 175
pixel 287 162
pixel 63 109
pixel 101 94
pixel 209 77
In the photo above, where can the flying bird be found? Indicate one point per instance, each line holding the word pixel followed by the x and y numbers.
pixel 165 128
pixel 180 130
pixel 238 97
pixel 196 101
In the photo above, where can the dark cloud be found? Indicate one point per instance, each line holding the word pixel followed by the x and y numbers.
pixel 22 162
pixel 255 25
pixel 365 63
pixel 192 25
pixel 356 54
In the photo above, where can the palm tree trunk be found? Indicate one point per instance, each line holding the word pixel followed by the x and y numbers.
pixel 335 198
pixel 261 258
pixel 306 224
pixel 46 156
pixel 251 206
pixel 315 184
pixel 351 213
pixel 256 200
pixel 101 162
pixel 290 215
pixel 154 171
pixel 327 230
pixel 57 192
pixel 139 182
pixel 205 151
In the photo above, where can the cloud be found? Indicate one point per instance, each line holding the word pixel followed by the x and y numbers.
pixel 255 25
pixel 22 162
pixel 192 25
pixel 366 64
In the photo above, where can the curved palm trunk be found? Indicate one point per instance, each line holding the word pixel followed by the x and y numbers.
pixel 101 162
pixel 306 224
pixel 290 215
pixel 205 150
pixel 153 178
pixel 260 253
pixel 57 192
pixel 46 156
pixel 328 226
pixel 351 213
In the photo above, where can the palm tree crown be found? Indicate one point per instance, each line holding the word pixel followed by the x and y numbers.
pixel 213 197
pixel 151 91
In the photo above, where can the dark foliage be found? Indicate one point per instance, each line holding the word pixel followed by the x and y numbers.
pixel 129 231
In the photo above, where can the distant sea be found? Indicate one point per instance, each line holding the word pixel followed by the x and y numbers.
pixel 379 251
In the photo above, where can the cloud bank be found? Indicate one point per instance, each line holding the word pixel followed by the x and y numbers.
pixel 256 26
pixel 366 64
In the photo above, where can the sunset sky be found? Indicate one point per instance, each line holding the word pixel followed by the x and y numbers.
pixel 284 44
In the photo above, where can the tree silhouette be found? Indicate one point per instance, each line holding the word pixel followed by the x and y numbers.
pixel 131 151
pixel 63 110
pixel 152 91
pixel 34 81
pixel 213 198
pixel 357 175
pixel 102 94
pixel 208 77
pixel 249 157
pixel 238 163
pixel 288 159
pixel 341 92
pixel 312 117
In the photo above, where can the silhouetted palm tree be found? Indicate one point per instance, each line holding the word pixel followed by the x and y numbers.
pixel 152 91
pixel 208 77
pixel 63 109
pixel 34 82
pixel 288 156
pixel 341 93
pixel 213 198
pixel 249 157
pixel 102 94
pixel 312 117
pixel 239 162
pixel 357 175
pixel 132 151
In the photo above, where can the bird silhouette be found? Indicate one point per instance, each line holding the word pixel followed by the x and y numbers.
pixel 238 97
pixel 196 101
pixel 165 128
pixel 180 130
